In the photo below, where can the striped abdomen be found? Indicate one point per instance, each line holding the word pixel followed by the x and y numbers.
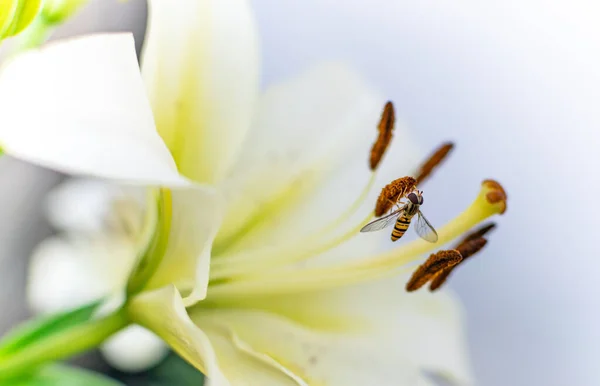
pixel 401 226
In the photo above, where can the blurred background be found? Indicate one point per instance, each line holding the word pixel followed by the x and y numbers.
pixel 515 83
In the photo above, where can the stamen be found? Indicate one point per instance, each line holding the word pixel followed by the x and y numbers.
pixel 392 192
pixel 373 267
pixel 243 263
pixel 467 249
pixel 435 264
pixel 277 257
pixel 358 202
pixel 386 126
pixel 434 161
pixel 471 247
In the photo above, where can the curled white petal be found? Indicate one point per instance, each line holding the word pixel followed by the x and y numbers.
pixel 79 106
pixel 163 312
pixel 195 219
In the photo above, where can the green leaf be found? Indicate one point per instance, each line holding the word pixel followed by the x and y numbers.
pixel 174 371
pixel 38 329
pixel 60 375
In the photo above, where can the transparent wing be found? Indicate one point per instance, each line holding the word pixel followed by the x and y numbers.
pixel 382 222
pixel 425 230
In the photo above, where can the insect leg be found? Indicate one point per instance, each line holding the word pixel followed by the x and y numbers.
pixel 397 203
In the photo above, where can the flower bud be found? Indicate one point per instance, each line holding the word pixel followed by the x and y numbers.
pixel 16 15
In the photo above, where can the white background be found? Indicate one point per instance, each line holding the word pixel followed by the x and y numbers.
pixel 517 85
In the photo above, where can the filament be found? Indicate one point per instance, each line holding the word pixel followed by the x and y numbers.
pixel 286 254
pixel 382 265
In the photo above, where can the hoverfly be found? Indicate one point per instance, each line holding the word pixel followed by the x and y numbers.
pixel 403 216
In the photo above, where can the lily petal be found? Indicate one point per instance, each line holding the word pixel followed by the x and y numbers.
pixel 384 322
pixel 315 357
pixel 304 131
pixel 240 363
pixel 195 219
pixel 200 65
pixel 163 312
pixel 79 106
pixel 210 351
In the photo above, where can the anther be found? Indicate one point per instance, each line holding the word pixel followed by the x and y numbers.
pixel 495 194
pixel 469 248
pixel 386 126
pixel 476 234
pixel 466 248
pixel 392 192
pixel 434 160
pixel 436 263
pixel 438 280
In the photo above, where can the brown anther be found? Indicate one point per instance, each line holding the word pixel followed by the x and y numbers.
pixel 386 126
pixel 392 192
pixel 436 263
pixel 466 248
pixel 434 161
pixel 496 193
pixel 479 232
pixel 471 247
pixel 438 280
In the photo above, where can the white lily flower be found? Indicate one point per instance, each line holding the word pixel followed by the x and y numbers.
pixel 279 288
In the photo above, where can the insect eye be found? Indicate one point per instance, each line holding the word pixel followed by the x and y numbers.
pixel 421 200
pixel 413 198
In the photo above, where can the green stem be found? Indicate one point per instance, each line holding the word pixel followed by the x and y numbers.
pixel 156 248
pixel 62 345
